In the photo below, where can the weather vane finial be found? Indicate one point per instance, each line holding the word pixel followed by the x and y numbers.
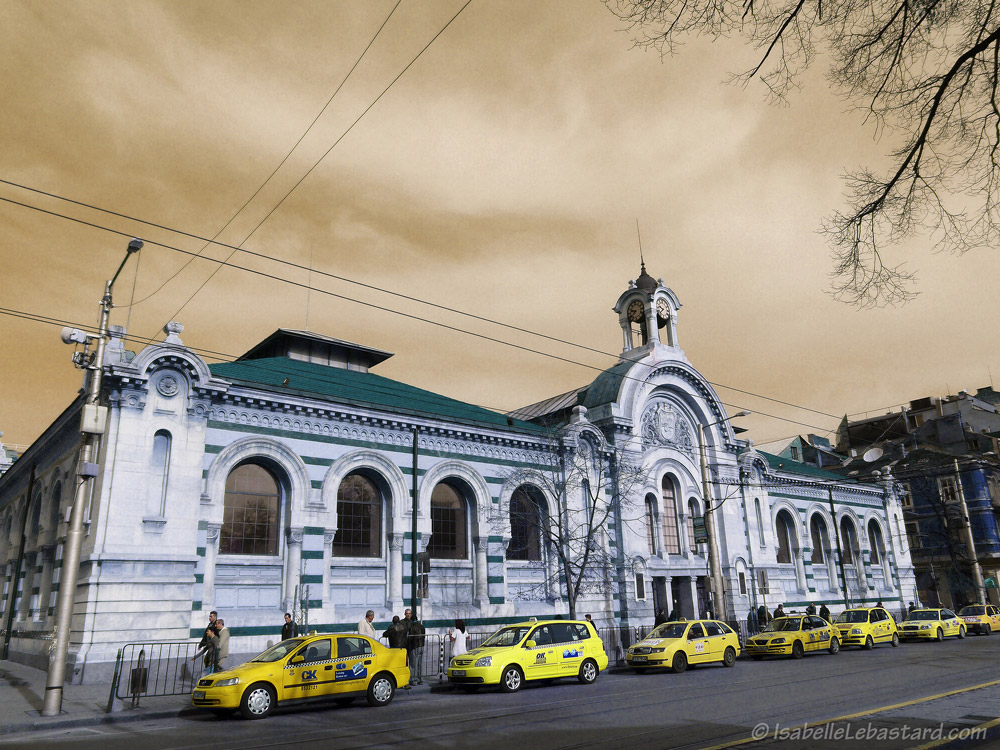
pixel 642 261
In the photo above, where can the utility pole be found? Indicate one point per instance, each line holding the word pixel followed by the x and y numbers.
pixel 970 543
pixel 92 425
pixel 719 606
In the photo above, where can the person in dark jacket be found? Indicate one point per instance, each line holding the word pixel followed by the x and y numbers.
pixel 779 611
pixel 289 629
pixel 824 612
pixel 660 618
pixel 763 618
pixel 395 634
pixel 414 646
pixel 674 615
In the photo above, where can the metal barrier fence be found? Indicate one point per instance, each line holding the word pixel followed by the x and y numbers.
pixel 155 669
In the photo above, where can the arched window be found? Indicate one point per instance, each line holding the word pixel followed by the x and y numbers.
pixel 877 545
pixel 783 527
pixel 651 523
pixel 159 473
pixel 848 540
pixel 692 514
pixel 448 524
pixel 359 518
pixel 54 509
pixel 36 516
pixel 525 525
pixel 817 531
pixel 250 518
pixel 760 522
pixel 671 537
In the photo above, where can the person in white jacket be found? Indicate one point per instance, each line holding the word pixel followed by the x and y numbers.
pixel 365 626
pixel 459 638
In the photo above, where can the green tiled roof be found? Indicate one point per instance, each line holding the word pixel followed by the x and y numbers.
pixel 338 385
pixel 606 387
pixel 788 466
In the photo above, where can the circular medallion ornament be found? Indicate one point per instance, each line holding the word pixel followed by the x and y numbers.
pixel 168 386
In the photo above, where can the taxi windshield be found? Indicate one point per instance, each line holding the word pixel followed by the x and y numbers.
pixel 973 610
pixel 924 614
pixel 782 623
pixel 279 650
pixel 507 637
pixel 853 615
pixel 669 630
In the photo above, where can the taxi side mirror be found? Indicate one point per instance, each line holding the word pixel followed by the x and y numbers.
pixel 530 644
pixel 297 659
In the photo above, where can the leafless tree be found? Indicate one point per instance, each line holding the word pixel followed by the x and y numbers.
pixel 585 492
pixel 926 71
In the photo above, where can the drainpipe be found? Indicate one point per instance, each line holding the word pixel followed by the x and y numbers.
pixel 15 579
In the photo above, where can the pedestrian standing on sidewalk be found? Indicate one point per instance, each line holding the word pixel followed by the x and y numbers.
pixel 289 629
pixel 395 634
pixel 414 647
pixel 459 638
pixel 207 648
pixel 365 626
pixel 222 645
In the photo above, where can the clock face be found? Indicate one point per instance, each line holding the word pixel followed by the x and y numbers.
pixel 662 310
pixel 635 312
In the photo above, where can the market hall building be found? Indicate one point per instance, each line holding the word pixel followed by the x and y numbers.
pixel 286 481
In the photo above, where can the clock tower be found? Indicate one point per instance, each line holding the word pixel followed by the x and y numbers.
pixel 647 313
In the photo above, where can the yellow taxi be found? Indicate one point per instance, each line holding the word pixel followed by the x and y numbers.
pixel 538 650
pixel 674 645
pixel 980 619
pixel 932 623
pixel 794 635
pixel 866 626
pixel 314 667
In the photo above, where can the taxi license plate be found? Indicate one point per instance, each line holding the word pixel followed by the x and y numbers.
pixel 458 673
pixel 639 658
pixel 199 694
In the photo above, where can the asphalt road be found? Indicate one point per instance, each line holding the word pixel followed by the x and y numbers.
pixel 704 707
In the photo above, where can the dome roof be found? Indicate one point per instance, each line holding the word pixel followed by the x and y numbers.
pixel 645 282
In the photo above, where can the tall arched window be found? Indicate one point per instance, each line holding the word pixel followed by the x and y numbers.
pixel 877 544
pixel 651 523
pixel 671 537
pixel 783 528
pixel 817 531
pixel 526 519
pixel 448 524
pixel 692 514
pixel 250 519
pixel 760 522
pixel 849 541
pixel 54 510
pixel 159 473
pixel 359 518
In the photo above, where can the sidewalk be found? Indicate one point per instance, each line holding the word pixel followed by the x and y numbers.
pixel 21 696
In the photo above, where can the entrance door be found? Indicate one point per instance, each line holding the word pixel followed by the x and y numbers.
pixel 660 595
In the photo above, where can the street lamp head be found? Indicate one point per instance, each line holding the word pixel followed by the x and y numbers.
pixel 73 336
pixel 135 245
pixel 744 413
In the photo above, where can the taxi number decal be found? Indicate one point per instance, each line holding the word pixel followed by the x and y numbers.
pixel 309 674
pixel 540 657
pixel 699 648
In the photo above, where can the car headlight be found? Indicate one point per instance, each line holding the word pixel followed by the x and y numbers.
pixel 778 640
pixel 659 650
pixel 228 682
pixel 925 627
pixel 855 631
pixel 486 661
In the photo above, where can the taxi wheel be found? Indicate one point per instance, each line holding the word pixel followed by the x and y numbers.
pixel 895 640
pixel 797 650
pixel 588 672
pixel 258 701
pixel 680 662
pixel 381 690
pixel 869 643
pixel 729 657
pixel 961 632
pixel 940 635
pixel 510 681
pixel 834 646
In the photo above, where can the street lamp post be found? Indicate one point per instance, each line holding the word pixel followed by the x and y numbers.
pixel 715 562
pixel 92 427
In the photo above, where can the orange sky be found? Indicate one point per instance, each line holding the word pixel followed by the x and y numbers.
pixel 501 175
